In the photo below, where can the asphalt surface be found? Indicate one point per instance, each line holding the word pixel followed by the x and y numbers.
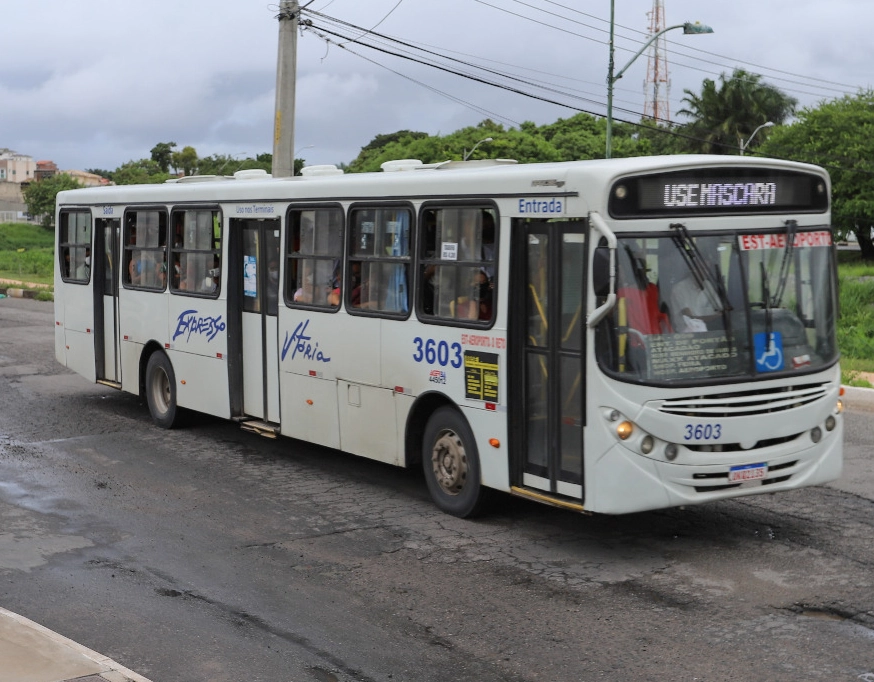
pixel 211 554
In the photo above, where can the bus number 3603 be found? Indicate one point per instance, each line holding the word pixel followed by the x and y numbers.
pixel 702 432
pixel 437 352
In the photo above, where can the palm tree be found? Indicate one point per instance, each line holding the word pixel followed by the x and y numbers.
pixel 723 117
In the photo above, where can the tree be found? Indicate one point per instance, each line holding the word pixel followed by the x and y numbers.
pixel 162 155
pixel 838 135
pixel 723 117
pixel 142 172
pixel 186 160
pixel 40 196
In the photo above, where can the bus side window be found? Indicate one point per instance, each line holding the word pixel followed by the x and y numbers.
pixel 313 257
pixel 145 249
pixel 74 246
pixel 195 254
pixel 457 264
pixel 380 258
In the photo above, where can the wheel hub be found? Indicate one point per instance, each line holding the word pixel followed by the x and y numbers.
pixel 449 462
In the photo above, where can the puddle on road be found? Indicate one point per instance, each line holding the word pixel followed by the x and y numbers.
pixel 29 538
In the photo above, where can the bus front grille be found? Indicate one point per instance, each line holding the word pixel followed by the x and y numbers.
pixel 747 403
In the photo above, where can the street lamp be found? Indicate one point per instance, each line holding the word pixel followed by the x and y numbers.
pixel 296 151
pixel 468 153
pixel 744 145
pixel 688 28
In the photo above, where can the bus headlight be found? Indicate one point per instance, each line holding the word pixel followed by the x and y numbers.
pixel 624 430
pixel 646 445
pixel 816 434
pixel 830 423
pixel 839 407
pixel 671 452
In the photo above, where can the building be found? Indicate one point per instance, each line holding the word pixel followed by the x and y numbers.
pixel 45 169
pixel 87 179
pixel 15 167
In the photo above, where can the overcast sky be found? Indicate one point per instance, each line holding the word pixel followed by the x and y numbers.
pixel 96 83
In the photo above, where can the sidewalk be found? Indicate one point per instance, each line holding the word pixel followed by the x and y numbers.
pixel 31 653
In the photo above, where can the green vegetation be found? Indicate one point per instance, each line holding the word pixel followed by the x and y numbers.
pixel 838 136
pixel 26 253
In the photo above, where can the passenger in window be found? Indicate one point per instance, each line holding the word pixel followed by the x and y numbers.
pixel 304 293
pixel 161 275
pixel 177 274
pixel 211 281
pixel 84 270
pixel 135 268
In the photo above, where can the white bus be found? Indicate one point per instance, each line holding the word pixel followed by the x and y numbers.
pixel 608 336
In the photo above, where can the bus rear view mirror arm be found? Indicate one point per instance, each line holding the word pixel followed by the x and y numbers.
pixel 597 222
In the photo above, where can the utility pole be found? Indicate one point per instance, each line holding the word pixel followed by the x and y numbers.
pixel 286 74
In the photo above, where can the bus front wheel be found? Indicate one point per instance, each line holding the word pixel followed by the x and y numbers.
pixel 451 464
pixel 161 390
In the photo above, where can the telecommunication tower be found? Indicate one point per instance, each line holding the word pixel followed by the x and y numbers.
pixel 657 86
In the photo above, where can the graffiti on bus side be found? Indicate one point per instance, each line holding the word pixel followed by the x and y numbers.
pixel 191 322
pixel 301 342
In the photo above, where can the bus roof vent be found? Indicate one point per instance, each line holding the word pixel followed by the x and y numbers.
pixel 252 174
pixel 401 165
pixel 197 178
pixel 315 171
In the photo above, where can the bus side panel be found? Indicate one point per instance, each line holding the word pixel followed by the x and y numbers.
pixel 60 340
pixel 80 353
pixel 309 409
pixel 142 318
pixel 368 422
pixel 79 329
pixel 488 425
pixel 205 387
pixel 198 337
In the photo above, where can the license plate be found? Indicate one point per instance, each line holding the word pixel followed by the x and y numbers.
pixel 747 472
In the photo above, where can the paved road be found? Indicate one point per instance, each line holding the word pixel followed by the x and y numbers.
pixel 211 554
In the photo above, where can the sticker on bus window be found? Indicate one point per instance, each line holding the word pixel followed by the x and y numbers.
pixel 449 251
pixel 768 349
pixel 250 277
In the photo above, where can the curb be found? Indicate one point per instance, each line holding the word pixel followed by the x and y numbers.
pixel 14 292
pixel 112 671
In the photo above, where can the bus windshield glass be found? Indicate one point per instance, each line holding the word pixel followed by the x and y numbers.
pixel 694 307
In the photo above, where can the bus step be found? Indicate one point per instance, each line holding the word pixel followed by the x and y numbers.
pixel 107 382
pixel 549 498
pixel 265 429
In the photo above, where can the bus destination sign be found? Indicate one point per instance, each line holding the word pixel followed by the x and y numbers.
pixel 715 191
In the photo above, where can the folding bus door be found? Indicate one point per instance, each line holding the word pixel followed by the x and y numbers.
pixel 547 335
pixel 256 243
pixel 106 283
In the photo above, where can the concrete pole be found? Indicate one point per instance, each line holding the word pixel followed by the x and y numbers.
pixel 286 73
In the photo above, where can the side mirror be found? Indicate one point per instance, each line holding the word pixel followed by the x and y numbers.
pixel 601 271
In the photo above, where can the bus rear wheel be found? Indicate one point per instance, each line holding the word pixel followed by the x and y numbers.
pixel 161 391
pixel 451 464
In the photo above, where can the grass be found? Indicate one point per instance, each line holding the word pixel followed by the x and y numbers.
pixel 27 254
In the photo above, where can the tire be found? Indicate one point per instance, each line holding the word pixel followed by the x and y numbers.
pixel 451 464
pixel 161 391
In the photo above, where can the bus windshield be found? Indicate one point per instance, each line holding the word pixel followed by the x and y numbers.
pixel 693 307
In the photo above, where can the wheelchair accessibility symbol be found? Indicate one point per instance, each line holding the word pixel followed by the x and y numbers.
pixel 768 349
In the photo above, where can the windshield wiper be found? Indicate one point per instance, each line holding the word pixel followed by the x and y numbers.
pixel 766 297
pixel 786 263
pixel 701 270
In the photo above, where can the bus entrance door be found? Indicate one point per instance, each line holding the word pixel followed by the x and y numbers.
pixel 547 330
pixel 106 279
pixel 258 292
